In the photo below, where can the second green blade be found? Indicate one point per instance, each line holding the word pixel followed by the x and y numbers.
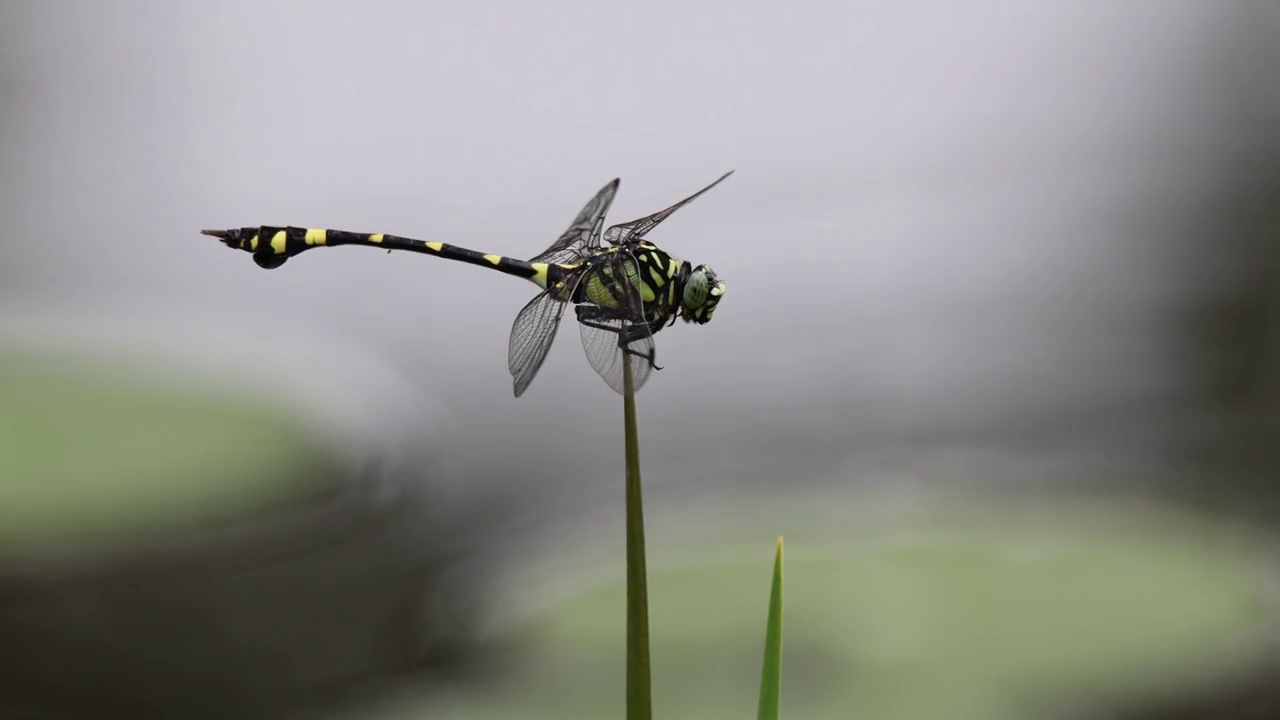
pixel 771 674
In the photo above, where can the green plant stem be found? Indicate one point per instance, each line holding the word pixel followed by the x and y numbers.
pixel 771 673
pixel 639 699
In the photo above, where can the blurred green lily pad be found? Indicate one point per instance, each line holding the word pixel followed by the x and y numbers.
pixel 95 455
pixel 996 612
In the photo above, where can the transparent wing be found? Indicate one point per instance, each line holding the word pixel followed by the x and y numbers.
pixel 601 341
pixel 632 231
pixel 532 335
pixel 584 234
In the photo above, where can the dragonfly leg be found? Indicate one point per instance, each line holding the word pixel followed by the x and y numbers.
pixel 639 332
pixel 588 314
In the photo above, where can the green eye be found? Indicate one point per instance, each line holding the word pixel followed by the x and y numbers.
pixel 695 290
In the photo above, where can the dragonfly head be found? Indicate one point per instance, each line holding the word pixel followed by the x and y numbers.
pixel 702 292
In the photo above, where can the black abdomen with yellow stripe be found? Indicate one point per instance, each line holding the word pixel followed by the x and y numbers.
pixel 603 279
pixel 272 246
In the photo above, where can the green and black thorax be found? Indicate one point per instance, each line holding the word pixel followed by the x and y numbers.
pixel 638 276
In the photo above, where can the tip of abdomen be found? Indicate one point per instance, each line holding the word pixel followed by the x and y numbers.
pixel 269 262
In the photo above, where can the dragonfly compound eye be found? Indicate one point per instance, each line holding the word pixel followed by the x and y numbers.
pixel 702 292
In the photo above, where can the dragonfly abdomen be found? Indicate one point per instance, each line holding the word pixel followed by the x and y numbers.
pixel 272 246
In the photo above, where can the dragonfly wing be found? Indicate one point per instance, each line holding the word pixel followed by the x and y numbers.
pixel 532 335
pixel 631 231
pixel 584 234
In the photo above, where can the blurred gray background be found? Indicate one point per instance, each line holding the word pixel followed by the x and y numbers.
pixel 1036 242
pixel 966 224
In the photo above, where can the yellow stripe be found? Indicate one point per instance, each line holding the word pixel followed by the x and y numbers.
pixel 656 275
pixel 317 237
pixel 671 269
pixel 375 238
pixel 277 243
pixel 540 274
pixel 495 259
pixel 253 243
pixel 435 246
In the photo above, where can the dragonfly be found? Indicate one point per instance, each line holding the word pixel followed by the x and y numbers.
pixel 624 289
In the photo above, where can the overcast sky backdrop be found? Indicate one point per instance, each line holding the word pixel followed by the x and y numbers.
pixel 944 215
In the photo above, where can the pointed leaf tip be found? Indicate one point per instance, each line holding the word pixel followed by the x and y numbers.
pixel 771 672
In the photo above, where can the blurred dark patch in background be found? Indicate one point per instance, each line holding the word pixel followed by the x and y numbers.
pixel 287 613
pixel 1229 318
